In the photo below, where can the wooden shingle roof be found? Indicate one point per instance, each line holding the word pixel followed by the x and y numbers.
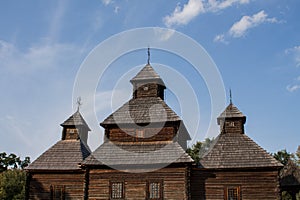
pixel 76 120
pixel 113 154
pixel 232 150
pixel 147 73
pixel 142 110
pixel 64 155
pixel 231 111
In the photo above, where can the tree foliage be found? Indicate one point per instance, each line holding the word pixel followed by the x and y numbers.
pixel 12 176
pixel 282 156
pixel 12 184
pixel 199 148
pixel 296 157
pixel 12 161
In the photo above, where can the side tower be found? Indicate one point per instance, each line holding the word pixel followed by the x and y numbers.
pixel 235 167
pixel 56 174
pixel 143 154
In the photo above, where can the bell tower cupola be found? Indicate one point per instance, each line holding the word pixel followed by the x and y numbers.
pixel 231 120
pixel 147 83
pixel 75 128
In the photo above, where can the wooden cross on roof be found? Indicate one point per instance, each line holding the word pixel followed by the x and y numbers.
pixel 79 103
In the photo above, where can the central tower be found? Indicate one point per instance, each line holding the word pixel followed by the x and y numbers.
pixel 147 83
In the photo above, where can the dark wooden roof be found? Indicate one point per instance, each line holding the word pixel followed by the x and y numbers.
pixel 138 154
pixel 64 155
pixel 76 120
pixel 231 111
pixel 147 73
pixel 232 150
pixel 142 110
pixel 290 175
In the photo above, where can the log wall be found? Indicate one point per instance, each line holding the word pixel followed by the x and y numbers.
pixel 174 183
pixel 258 184
pixel 149 134
pixel 71 186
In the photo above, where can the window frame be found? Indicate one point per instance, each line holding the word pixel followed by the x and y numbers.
pixel 111 190
pixel 235 187
pixel 148 193
pixel 57 192
pixel 139 134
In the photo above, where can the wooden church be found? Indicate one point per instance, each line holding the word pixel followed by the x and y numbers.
pixel 143 156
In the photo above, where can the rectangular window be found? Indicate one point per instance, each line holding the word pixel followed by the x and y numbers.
pixel 154 190
pixel 57 192
pixel 140 133
pixel 232 193
pixel 117 190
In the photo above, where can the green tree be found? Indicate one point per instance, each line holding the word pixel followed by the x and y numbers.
pixel 12 161
pixel 286 196
pixel 282 156
pixel 12 184
pixel 296 157
pixel 199 148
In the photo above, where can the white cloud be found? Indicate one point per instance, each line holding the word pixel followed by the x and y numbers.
pixel 295 52
pixel 215 5
pixel 164 34
pixel 182 16
pixel 44 55
pixel 240 28
pixel 293 88
pixel 57 19
pixel 116 9
pixel 107 2
pixel 220 38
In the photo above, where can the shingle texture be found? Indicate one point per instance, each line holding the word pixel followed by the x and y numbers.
pixel 64 155
pixel 75 120
pixel 231 111
pixel 138 154
pixel 147 73
pixel 142 110
pixel 232 150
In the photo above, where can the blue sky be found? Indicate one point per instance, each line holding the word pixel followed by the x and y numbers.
pixel 254 43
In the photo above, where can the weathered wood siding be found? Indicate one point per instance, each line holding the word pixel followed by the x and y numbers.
pixel 258 184
pixel 41 183
pixel 232 126
pixel 150 134
pixel 148 90
pixel 174 183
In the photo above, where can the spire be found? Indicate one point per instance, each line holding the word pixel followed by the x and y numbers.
pixel 230 96
pixel 148 61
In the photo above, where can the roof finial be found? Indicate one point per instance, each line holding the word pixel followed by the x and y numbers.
pixel 148 56
pixel 79 103
pixel 230 95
